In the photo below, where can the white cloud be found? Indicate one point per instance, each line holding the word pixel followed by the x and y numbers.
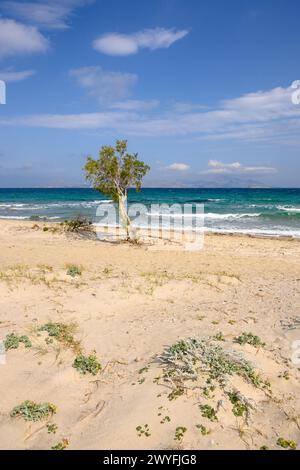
pixel 104 120
pixel 182 107
pixel 262 105
pixel 115 44
pixel 14 76
pixel 217 167
pixel 45 14
pixel 104 85
pixel 17 38
pixel 159 37
pixel 178 167
pixel 265 117
pixel 128 44
pixel 136 105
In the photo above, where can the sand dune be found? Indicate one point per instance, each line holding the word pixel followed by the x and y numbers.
pixel 129 304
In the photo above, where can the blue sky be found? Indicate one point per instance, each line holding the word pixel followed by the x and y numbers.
pixel 201 89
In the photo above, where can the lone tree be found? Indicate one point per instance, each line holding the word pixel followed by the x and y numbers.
pixel 113 173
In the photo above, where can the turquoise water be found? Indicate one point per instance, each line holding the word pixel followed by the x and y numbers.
pixel 261 211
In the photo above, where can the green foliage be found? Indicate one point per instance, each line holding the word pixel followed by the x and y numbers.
pixel 239 407
pixel 13 341
pixel 87 364
pixel 115 170
pixel 181 348
pixel 208 412
pixel 286 444
pixel 73 270
pixel 166 419
pixel 77 224
pixel 249 338
pixel 207 391
pixel 187 358
pixel 143 430
pixel 63 333
pixel 179 433
pixel 219 337
pixel 204 431
pixel 31 411
pixel 52 428
pixel 176 393
pixel 61 445
pixel 284 375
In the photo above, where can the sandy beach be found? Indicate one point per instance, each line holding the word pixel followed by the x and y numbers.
pixel 130 304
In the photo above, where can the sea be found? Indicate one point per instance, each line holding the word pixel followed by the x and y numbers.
pixel 269 212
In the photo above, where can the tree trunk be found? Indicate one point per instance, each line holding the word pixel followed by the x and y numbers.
pixel 125 220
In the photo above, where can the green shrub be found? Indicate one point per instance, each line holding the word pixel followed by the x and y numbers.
pixel 240 408
pixel 204 431
pixel 187 358
pixel 13 341
pixel 73 270
pixel 87 364
pixel 31 411
pixel 52 428
pixel 219 337
pixel 179 433
pixel 249 338
pixel 143 430
pixel 286 444
pixel 176 393
pixel 208 412
pixel 61 445
pixel 63 333
pixel 78 224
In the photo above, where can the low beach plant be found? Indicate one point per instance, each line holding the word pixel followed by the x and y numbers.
pixel 203 363
pixel 52 428
pixel 208 412
pixel 73 270
pixel 143 430
pixel 62 445
pixel 176 393
pixel 187 359
pixel 62 332
pixel 166 419
pixel 179 433
pixel 204 431
pixel 77 224
pixel 52 229
pixel 240 408
pixel 249 338
pixel 31 411
pixel 284 375
pixel 208 391
pixel 286 444
pixel 219 337
pixel 13 341
pixel 87 364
